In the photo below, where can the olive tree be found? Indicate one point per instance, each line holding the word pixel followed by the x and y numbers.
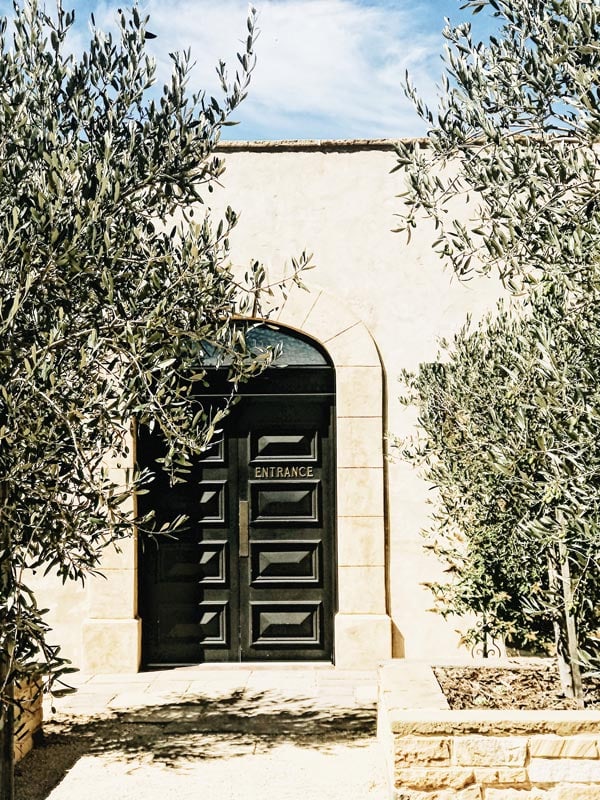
pixel 515 138
pixel 513 144
pixel 113 283
pixel 509 419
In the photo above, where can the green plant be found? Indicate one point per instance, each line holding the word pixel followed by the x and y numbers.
pixel 113 283
pixel 509 176
pixel 509 430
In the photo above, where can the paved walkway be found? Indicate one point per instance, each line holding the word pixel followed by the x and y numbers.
pixel 213 732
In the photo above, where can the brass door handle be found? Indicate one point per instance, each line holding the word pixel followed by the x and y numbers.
pixel 244 529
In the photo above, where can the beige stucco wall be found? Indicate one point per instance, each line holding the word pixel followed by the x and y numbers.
pixel 338 202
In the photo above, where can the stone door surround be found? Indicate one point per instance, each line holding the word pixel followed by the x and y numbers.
pixel 362 628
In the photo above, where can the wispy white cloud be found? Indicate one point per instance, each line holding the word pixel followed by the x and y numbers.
pixel 325 68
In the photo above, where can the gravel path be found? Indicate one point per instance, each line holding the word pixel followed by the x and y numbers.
pixel 230 735
pixel 285 772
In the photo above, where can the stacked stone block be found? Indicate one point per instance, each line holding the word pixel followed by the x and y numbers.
pixel 497 768
pixel 438 754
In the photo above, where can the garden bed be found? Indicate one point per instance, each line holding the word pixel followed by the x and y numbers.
pixel 531 685
pixel 435 752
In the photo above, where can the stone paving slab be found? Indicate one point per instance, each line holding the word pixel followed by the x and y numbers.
pixel 323 682
pixel 81 679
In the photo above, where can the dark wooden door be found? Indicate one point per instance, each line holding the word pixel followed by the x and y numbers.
pixel 251 577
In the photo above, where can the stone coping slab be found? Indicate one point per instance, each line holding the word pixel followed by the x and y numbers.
pixel 435 723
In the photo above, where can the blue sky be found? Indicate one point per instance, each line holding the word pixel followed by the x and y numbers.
pixel 325 69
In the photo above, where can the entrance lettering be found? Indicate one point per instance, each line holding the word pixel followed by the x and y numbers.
pixel 284 472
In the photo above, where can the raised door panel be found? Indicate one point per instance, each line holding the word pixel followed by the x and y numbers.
pixel 288 624
pixel 286 502
pixel 274 563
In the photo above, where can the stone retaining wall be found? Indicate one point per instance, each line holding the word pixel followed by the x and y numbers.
pixel 436 754
pixel 28 719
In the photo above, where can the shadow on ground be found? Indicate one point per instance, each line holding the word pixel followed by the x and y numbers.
pixel 196 728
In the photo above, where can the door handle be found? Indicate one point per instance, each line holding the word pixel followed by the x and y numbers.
pixel 244 517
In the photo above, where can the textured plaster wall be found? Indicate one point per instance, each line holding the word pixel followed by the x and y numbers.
pixel 339 203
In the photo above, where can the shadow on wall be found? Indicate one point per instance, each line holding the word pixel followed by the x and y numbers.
pixel 201 727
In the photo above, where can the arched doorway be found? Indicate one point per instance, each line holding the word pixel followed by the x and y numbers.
pixel 252 575
pixel 111 633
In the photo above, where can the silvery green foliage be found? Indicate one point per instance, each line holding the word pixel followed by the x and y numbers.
pixel 509 413
pixel 518 121
pixel 509 435
pixel 112 280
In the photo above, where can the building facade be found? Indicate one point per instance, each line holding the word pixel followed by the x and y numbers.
pixel 311 546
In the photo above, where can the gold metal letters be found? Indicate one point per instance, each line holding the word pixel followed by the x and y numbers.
pixel 283 472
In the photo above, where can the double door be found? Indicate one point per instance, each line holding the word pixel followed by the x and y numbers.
pixel 251 574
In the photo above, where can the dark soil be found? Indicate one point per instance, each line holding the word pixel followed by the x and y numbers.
pixel 527 687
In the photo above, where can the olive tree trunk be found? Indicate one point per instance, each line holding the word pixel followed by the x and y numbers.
pixel 7 735
pixel 7 710
pixel 565 627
